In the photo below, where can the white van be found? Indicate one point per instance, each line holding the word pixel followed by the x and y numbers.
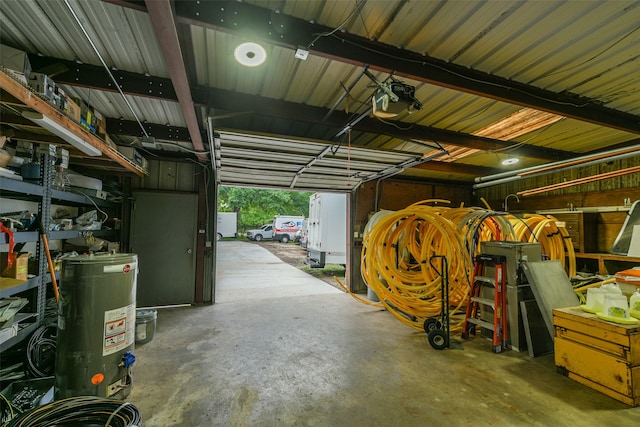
pixel 285 227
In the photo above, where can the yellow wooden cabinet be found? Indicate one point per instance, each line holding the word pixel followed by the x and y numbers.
pixel 599 354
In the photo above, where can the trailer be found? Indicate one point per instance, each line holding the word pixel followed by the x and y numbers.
pixel 327 230
pixel 227 225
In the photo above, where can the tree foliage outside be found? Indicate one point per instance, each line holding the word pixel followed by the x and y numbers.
pixel 256 207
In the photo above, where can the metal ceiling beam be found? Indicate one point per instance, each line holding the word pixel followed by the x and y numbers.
pixel 91 76
pixel 283 30
pixel 455 168
pixel 164 25
pixel 131 128
pixel 95 77
pixel 158 131
pixel 234 101
pixel 619 146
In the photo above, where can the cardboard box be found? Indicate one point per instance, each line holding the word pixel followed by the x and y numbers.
pixel 132 154
pixel 73 110
pixel 15 60
pixel 20 267
pixel 102 123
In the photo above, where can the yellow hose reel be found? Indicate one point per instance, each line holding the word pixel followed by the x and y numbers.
pixel 397 247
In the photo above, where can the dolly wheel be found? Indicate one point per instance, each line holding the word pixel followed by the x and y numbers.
pixel 430 324
pixel 438 339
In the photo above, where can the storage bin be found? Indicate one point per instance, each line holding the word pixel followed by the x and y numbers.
pixel 604 356
pixel 145 325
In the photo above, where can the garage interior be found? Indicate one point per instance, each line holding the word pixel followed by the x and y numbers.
pixel 458 130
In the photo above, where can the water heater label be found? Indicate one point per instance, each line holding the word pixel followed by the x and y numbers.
pixel 129 267
pixel 119 330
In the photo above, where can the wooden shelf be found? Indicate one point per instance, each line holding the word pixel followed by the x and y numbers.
pixel 9 286
pixel 603 258
pixel 32 100
pixel 582 229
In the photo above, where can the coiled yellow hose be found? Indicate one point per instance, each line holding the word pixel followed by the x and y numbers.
pixel 555 242
pixel 395 263
pixel 398 246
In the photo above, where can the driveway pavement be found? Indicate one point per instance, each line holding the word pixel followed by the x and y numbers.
pixel 247 272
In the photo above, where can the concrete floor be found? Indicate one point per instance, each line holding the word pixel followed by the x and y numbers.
pixel 281 348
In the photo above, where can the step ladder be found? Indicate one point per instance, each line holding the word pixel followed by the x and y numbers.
pixel 481 286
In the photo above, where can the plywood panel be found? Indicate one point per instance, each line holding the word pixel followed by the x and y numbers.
pixel 613 197
pixel 632 180
pixel 611 183
pixel 457 195
pixel 586 172
pixel 609 227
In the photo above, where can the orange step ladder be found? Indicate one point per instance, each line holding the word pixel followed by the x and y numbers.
pixel 497 305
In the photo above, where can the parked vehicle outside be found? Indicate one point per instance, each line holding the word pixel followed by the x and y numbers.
pixel 301 235
pixel 227 225
pixel 327 230
pixel 285 227
pixel 264 232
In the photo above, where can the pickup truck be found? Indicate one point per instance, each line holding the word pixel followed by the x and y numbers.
pixel 264 232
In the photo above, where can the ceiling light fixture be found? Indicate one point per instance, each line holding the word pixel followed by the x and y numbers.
pixel 510 161
pixel 250 54
pixel 62 132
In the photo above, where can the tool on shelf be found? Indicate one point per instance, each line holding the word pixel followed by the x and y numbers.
pixel 43 236
pixel 11 256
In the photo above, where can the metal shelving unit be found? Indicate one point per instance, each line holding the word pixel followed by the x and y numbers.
pixel 44 195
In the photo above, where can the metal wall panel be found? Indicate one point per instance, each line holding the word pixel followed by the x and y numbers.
pixel 171 176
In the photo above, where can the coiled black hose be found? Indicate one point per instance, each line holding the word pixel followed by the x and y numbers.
pixel 81 411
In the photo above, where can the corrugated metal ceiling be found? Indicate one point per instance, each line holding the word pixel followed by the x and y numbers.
pixel 589 49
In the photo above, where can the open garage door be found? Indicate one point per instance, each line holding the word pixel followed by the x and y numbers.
pixel 305 165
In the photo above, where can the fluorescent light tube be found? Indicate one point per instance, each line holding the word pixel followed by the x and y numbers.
pixel 64 133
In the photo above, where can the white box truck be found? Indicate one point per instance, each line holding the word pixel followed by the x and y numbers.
pixel 227 225
pixel 285 227
pixel 327 230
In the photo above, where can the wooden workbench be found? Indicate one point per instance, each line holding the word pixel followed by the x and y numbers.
pixel 599 354
pixel 618 262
